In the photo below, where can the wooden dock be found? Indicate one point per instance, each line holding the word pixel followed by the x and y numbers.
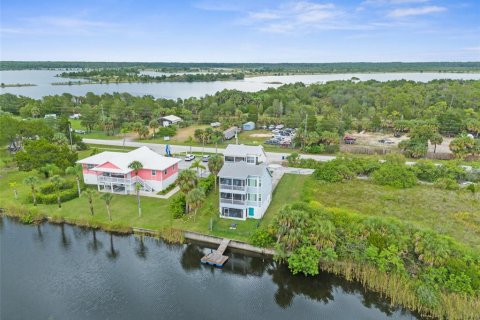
pixel 216 258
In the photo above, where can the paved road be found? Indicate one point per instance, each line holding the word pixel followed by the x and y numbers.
pixel 273 157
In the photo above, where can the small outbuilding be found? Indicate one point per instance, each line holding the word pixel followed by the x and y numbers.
pixel 249 126
pixel 169 120
pixel 230 133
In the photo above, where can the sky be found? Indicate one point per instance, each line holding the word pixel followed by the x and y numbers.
pixel 240 30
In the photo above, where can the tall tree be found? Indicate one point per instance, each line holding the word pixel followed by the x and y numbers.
pixel 197 164
pixel 57 182
pixel 32 181
pixel 215 164
pixel 77 171
pixel 190 141
pixel 154 125
pixel 187 180
pixel 195 199
pixel 89 194
pixel 435 139
pixel 138 187
pixel 107 197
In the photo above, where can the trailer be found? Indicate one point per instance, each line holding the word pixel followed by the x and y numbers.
pixel 230 133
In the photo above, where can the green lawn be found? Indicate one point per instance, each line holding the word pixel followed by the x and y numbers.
pixel 455 213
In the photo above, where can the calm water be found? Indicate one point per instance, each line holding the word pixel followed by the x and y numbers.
pixel 174 90
pixel 63 272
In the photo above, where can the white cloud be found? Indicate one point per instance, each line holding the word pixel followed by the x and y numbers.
pixel 295 16
pixel 405 12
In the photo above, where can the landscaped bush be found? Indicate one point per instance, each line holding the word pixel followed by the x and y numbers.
pixel 315 149
pixel 49 187
pixel 395 175
pixel 177 206
pixel 50 198
pixel 334 171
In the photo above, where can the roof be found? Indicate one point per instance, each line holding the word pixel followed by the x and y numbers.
pixel 241 149
pixel 172 118
pixel 241 170
pixel 231 129
pixel 149 159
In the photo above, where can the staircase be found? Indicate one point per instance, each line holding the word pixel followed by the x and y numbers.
pixel 146 187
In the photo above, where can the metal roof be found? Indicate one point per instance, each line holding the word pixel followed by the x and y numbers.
pixel 243 150
pixel 241 170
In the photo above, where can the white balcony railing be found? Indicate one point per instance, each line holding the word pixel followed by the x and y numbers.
pixel 231 201
pixel 232 187
pixel 114 180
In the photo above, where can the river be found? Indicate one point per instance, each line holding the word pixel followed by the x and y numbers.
pixel 174 90
pixel 64 272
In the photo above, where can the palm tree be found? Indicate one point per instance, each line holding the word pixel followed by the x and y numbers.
pixel 136 166
pixel 195 199
pixel 57 184
pixel 197 164
pixel 32 181
pixel 154 125
pixel 190 141
pixel 48 170
pixel 76 170
pixel 138 186
pixel 107 197
pixel 90 193
pixel 216 139
pixel 215 164
pixel 13 185
pixel 187 180
pixel 435 139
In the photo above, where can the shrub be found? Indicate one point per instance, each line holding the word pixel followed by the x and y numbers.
pixel 51 198
pixel 395 175
pixel 207 183
pixel 169 131
pixel 177 206
pixel 305 260
pixel 261 238
pixel 446 184
pixel 49 187
pixel 334 171
pixel 315 149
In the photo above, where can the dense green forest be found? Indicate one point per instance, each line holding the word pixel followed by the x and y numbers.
pixel 255 67
pixel 134 75
pixel 451 105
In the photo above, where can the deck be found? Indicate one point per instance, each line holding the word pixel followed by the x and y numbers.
pixel 216 258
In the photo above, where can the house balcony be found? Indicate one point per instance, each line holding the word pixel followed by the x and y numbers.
pixel 232 187
pixel 106 179
pixel 231 201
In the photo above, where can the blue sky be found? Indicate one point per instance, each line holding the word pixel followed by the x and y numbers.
pixel 241 31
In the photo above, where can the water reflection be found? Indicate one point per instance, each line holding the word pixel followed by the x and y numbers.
pixel 170 280
pixel 112 254
pixel 94 245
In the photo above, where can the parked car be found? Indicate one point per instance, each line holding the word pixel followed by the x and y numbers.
pixel 205 158
pixel 275 131
pixel 189 157
pixel 386 141
pixel 79 131
pixel 280 126
pixel 271 127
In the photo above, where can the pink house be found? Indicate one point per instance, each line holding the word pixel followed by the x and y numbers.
pixel 110 171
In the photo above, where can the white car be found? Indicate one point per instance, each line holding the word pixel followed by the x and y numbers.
pixel 189 157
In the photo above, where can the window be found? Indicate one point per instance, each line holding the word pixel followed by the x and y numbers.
pixel 165 172
pixel 238 159
pixel 238 197
pixel 226 181
pixel 252 182
pixel 229 159
pixel 232 213
pixel 238 183
pixel 252 197
pixel 225 195
pixel 251 159
pixel 90 166
pixel 154 172
pixel 260 198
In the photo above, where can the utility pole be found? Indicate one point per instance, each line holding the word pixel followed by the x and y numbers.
pixel 305 136
pixel 70 133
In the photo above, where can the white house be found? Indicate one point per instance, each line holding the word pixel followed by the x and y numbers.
pixel 110 171
pixel 245 183
pixel 245 190
pixel 169 120
pixel 241 152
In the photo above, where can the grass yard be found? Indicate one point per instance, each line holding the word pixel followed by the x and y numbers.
pixel 95 134
pixel 455 213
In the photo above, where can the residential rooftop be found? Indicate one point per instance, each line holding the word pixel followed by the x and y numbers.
pixel 241 170
pixel 241 149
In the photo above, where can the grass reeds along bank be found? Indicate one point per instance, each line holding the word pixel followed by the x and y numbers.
pixel 418 268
